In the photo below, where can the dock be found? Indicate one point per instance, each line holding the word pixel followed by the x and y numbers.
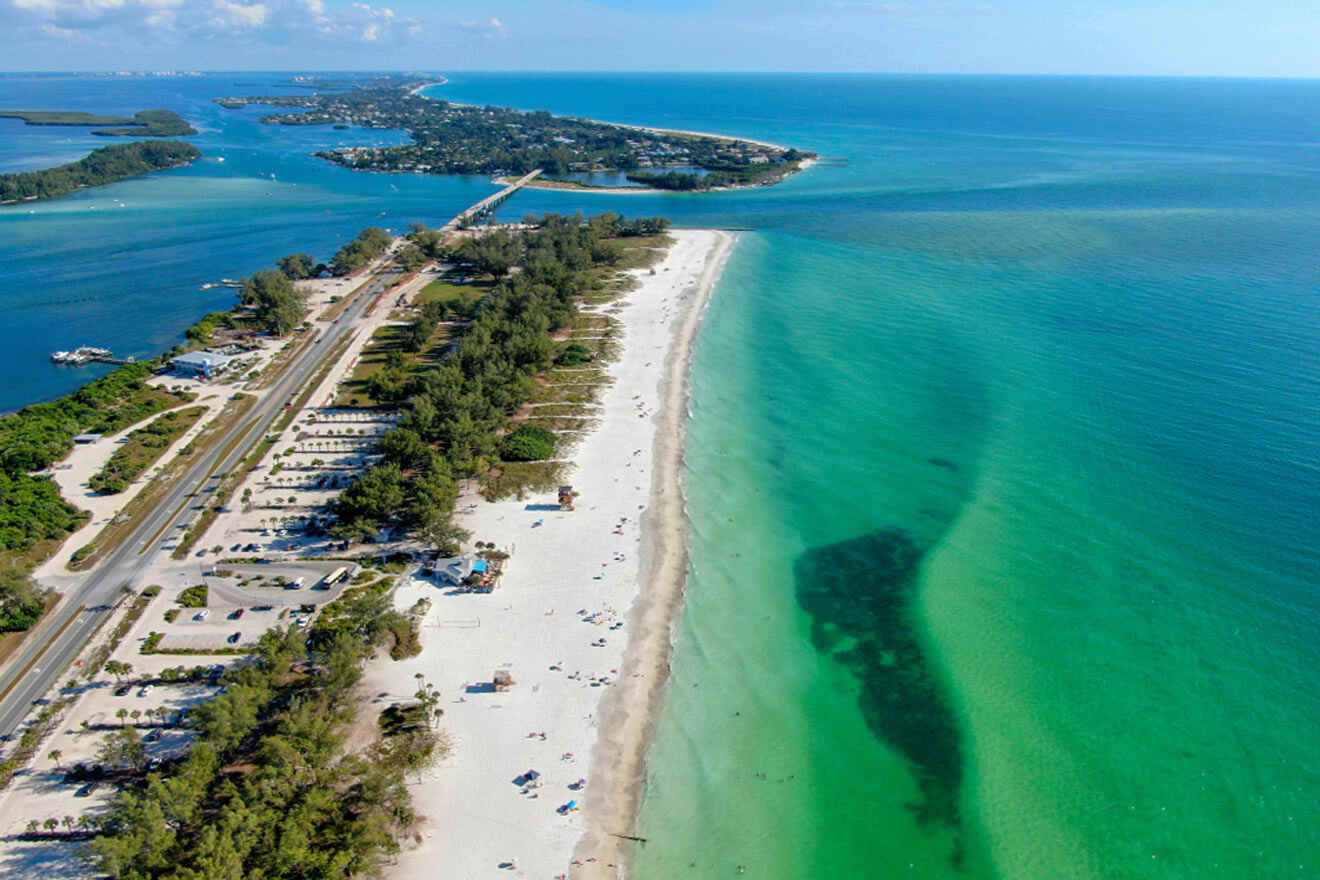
pixel 88 354
pixel 223 282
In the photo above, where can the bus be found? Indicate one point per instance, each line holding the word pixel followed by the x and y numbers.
pixel 335 576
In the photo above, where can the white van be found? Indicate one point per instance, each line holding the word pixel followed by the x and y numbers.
pixel 297 583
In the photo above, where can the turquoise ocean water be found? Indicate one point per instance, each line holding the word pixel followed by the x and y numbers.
pixel 1002 467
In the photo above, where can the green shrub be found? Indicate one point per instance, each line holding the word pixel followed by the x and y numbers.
pixel 528 443
pixel 575 354
pixel 193 597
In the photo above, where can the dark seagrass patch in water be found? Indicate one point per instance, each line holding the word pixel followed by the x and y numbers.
pixel 859 593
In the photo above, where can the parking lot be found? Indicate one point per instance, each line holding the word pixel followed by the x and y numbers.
pixel 282 507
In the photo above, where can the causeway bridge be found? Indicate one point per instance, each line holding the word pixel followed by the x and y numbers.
pixel 487 206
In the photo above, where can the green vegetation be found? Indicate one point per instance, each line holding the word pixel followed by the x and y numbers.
pixel 38 435
pixel 453 139
pixel 458 298
pixel 22 602
pixel 721 175
pixel 38 729
pixel 457 409
pixel 193 597
pixel 277 304
pixel 102 166
pixel 62 117
pixel 204 330
pixel 270 789
pixel 31 509
pixel 574 354
pixel 298 266
pixel 143 447
pixel 369 245
pixel 144 123
pixel 397 355
pixel 528 443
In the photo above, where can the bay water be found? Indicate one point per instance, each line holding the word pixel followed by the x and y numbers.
pixel 1002 470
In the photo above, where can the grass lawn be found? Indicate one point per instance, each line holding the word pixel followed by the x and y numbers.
pixel 447 289
pixel 386 340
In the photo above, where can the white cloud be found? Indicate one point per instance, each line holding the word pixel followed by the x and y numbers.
pixel 263 21
pixel 491 27
pixel 239 15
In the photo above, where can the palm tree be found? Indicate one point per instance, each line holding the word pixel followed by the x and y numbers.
pixel 51 824
pixel 55 755
pixel 121 715
pixel 135 715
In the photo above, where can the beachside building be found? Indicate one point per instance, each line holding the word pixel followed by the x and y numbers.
pixel 457 569
pixel 200 364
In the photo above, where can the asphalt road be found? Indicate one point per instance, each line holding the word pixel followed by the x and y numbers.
pixel 90 600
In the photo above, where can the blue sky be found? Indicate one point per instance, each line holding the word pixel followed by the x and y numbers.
pixel 1158 37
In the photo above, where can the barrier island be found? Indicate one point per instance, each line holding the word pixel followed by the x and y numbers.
pixel 453 138
pixel 106 165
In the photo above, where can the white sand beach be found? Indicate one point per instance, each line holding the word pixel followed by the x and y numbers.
pixel 582 621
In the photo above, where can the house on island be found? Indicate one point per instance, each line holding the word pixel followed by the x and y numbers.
pixel 200 364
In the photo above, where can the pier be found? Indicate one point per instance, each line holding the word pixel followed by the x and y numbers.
pixel 484 208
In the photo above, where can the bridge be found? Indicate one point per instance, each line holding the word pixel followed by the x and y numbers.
pixel 484 208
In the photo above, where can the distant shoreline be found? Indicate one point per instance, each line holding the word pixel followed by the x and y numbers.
pixel 417 90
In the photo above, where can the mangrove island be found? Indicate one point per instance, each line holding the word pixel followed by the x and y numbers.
pixel 106 165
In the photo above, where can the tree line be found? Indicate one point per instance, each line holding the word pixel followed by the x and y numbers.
pixel 268 789
pixel 106 165
pixel 454 411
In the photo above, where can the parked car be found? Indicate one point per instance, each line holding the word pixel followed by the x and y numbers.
pixel 233 639
pixel 238 612
pixel 153 736
pixel 201 615
pixel 87 789
pixel 146 689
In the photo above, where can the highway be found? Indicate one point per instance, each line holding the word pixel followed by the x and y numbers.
pixel 89 600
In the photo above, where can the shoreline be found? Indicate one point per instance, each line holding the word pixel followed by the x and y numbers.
pixel 586 687
pixel 631 711
pixel 651 128
pixel 578 187
pixel 416 90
